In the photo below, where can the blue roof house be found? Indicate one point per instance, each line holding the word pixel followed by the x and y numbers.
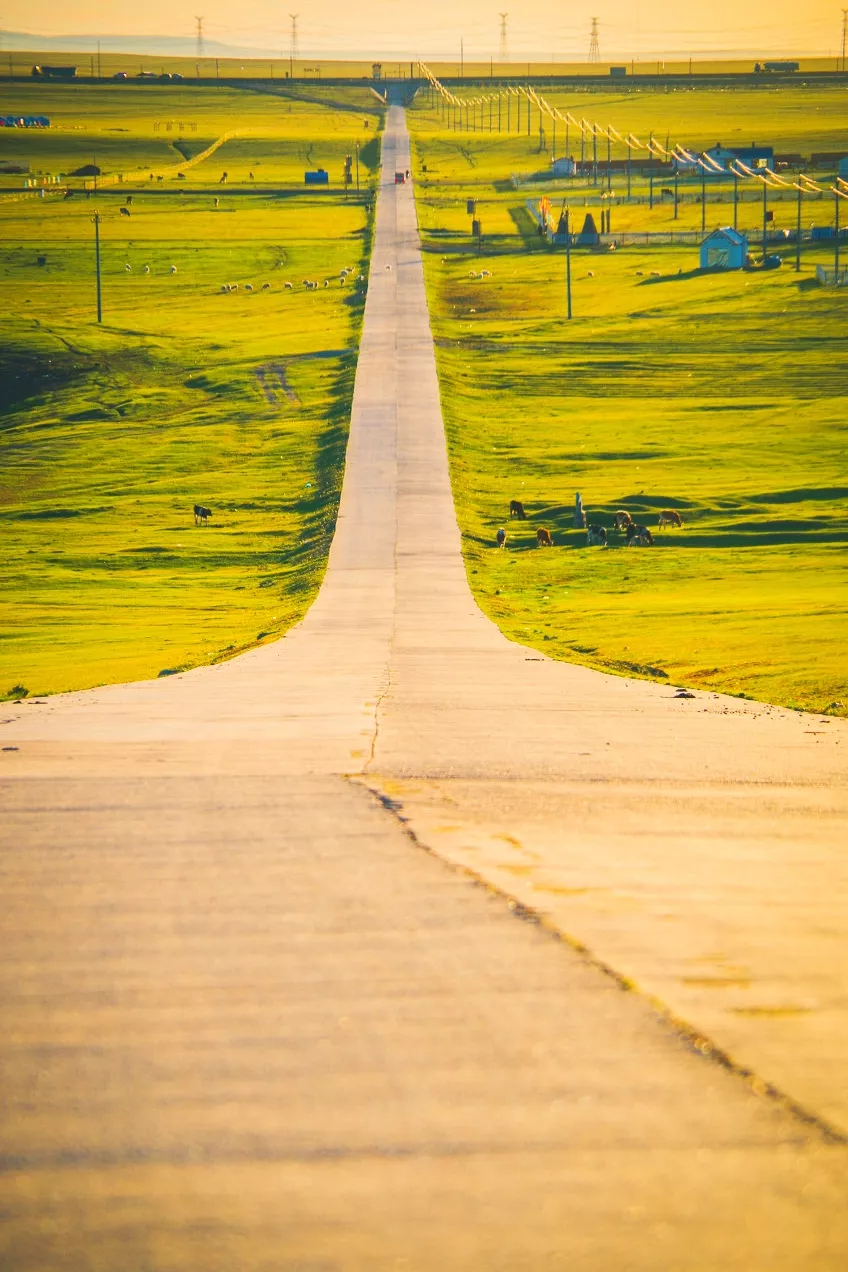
pixel 724 249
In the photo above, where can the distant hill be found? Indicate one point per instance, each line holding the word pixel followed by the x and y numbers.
pixel 153 45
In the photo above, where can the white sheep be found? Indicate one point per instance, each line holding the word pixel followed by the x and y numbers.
pixel 362 278
pixel 266 286
pixel 233 287
pixel 326 282
pixel 655 273
pixel 146 269
pixel 128 268
pixel 591 274
pixel 288 286
pixel 248 287
pixel 225 287
pixel 173 269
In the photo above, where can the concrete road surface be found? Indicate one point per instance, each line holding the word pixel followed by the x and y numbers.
pixel 396 945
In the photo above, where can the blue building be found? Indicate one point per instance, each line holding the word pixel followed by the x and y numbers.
pixel 724 249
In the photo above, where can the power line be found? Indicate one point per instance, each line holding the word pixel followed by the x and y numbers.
pixel 503 56
pixel 594 47
pixel 199 22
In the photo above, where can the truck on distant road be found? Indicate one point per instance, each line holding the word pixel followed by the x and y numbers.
pixel 54 72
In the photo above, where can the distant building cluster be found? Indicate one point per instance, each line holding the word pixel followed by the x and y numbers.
pixel 24 121
pixel 752 156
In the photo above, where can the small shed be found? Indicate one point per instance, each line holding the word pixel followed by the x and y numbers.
pixel 565 166
pixel 320 176
pixel 724 249
pixel 843 168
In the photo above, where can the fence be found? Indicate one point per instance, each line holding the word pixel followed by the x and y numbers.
pixel 667 238
pixel 831 277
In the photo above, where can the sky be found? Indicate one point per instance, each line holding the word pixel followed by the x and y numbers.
pixel 547 29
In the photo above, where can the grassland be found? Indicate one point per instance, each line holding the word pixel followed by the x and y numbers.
pixel 132 130
pixel 110 433
pixel 721 395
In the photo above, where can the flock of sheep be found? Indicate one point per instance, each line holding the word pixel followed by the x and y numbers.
pixel 308 283
pixel 145 269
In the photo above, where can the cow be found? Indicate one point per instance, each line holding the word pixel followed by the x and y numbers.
pixel 501 537
pixel 596 536
pixel 640 535
pixel 516 509
pixel 668 517
pixel 543 538
pixel 201 515
pixel 623 519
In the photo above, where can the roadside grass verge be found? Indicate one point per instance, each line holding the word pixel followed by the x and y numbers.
pixel 110 434
pixel 720 395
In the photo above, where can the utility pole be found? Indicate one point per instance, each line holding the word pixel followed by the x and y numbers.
pixel 765 213
pixel 294 51
pixel 96 220
pixel 594 46
pixel 568 262
pixel 461 57
pixel 503 55
pixel 99 76
pixel 357 167
pixel 199 22
pixel 703 199
pixel 798 230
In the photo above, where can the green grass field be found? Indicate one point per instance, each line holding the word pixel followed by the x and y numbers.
pixel 131 130
pixel 720 395
pixel 110 434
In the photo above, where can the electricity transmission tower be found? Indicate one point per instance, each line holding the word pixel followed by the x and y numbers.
pixel 199 22
pixel 594 47
pixel 503 56
pixel 294 51
pixel 844 35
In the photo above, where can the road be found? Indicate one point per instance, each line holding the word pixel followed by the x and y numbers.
pixel 396 945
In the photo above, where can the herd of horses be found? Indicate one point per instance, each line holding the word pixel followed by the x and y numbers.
pixel 597 535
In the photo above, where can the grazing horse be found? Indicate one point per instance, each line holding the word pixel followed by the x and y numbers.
pixel 501 537
pixel 201 515
pixel 543 538
pixel 596 536
pixel 640 535
pixel 668 517
pixel 516 509
pixel 623 519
